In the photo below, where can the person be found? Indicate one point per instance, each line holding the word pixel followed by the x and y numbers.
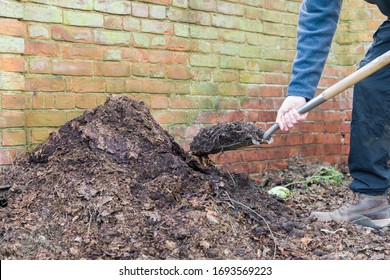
pixel 369 155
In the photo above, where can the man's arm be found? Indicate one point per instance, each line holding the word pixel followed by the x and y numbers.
pixel 317 24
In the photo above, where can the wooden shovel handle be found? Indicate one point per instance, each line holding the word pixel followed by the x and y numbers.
pixel 357 76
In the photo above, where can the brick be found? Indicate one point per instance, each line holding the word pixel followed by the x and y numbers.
pixel 204 60
pixel 179 73
pixel 180 3
pixel 225 21
pixel 275 5
pixel 140 10
pixel 253 13
pixel 200 32
pixel 182 87
pixel 133 86
pixel 11 9
pixel 277 78
pixel 180 15
pixel 12 27
pixel 78 18
pixel 115 86
pixel 9 44
pixel 106 37
pixel 71 34
pixel 153 26
pixel 278 29
pixel 42 13
pixel 158 12
pixel 47 119
pixel 203 5
pixel 14 138
pixel 153 86
pixel 11 81
pixel 232 62
pixel 158 41
pixel 11 63
pixel 14 101
pixel 227 103
pixel 73 4
pixel 74 68
pixel 251 78
pixel 232 90
pixel 251 52
pixel 156 56
pixel 5 157
pixel 64 101
pixel 159 2
pixel 113 22
pixel 205 88
pixel 88 85
pixel 113 54
pixel 230 8
pixel 140 70
pixel 42 49
pixel 159 102
pixel 184 102
pixel 11 119
pixel 113 7
pixel 233 36
pixel 226 76
pixel 181 117
pixel 227 48
pixel 45 84
pixel 131 24
pixel 130 54
pixel 163 116
pixel 112 69
pixel 264 40
pixel 84 101
pixel 40 135
pixel 251 25
pixel 180 58
pixel 81 52
pixel 43 101
pixel 182 30
pixel 101 99
pixel 38 32
pixel 140 40
pixel 157 71
pixel 40 65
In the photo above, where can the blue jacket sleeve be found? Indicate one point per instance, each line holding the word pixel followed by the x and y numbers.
pixel 317 23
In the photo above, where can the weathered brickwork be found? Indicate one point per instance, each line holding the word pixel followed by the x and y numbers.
pixel 193 62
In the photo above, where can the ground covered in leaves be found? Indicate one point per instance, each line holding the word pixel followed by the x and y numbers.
pixel 112 184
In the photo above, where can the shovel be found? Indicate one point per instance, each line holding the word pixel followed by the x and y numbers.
pixel 261 137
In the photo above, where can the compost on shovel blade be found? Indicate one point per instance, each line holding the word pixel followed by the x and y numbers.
pixel 113 184
pixel 223 137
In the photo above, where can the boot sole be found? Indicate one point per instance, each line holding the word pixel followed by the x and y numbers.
pixel 367 222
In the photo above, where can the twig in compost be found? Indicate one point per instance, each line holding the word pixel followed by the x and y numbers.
pixel 257 214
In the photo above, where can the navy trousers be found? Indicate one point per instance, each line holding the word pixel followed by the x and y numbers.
pixel 369 156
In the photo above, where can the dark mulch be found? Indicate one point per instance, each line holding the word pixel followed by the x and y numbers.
pixel 112 184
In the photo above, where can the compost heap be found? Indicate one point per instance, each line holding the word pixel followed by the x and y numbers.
pixel 112 184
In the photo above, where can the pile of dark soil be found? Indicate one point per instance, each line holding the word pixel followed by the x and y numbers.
pixel 112 184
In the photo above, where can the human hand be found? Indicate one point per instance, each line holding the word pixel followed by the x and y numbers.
pixel 287 114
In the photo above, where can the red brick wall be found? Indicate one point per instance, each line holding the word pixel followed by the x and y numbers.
pixel 193 62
